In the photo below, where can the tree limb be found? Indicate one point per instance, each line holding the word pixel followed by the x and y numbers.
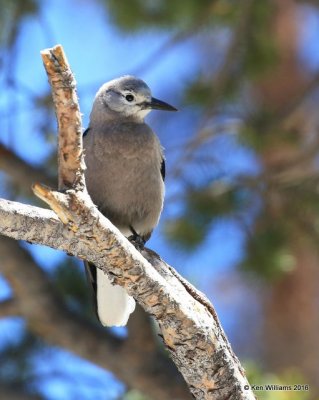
pixel 10 393
pixel 190 331
pixel 9 308
pixel 70 154
pixel 20 171
pixel 36 300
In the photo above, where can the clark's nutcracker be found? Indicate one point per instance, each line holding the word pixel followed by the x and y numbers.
pixel 124 176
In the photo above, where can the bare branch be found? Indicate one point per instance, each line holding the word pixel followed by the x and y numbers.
pixel 48 317
pixel 9 308
pixel 10 393
pixel 141 333
pixel 191 333
pixel 20 171
pixel 70 154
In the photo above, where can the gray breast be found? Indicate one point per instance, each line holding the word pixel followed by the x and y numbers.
pixel 123 174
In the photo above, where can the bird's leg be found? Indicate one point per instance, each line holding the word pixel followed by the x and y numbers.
pixel 137 241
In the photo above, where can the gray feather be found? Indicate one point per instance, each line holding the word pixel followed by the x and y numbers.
pixel 124 176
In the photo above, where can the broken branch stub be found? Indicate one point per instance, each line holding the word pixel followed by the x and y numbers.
pixel 70 154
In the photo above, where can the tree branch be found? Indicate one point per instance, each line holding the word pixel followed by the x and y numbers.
pixel 70 154
pixel 20 171
pixel 141 333
pixel 9 308
pixel 10 393
pixel 188 329
pixel 191 332
pixel 36 300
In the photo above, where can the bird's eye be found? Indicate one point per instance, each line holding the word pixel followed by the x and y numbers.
pixel 129 97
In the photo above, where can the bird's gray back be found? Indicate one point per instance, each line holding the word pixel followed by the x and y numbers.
pixel 123 173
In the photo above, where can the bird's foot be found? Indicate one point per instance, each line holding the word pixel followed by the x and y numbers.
pixel 137 241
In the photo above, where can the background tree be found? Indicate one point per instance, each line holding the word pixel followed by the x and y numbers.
pixel 242 190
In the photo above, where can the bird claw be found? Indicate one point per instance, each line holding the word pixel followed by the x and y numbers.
pixel 137 241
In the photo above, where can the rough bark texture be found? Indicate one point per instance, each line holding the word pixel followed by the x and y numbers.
pixel 191 331
pixel 70 153
pixel 47 317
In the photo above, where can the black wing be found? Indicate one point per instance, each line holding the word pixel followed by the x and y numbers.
pixel 163 170
pixel 86 132
pixel 90 270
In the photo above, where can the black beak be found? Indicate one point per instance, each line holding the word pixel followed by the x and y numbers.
pixel 156 104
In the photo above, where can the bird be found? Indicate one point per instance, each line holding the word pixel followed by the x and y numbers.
pixel 125 172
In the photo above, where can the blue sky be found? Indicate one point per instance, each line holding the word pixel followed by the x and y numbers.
pixel 97 52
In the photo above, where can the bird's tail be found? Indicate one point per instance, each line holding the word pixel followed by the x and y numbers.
pixel 113 305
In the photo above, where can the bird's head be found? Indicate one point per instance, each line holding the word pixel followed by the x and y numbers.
pixel 128 97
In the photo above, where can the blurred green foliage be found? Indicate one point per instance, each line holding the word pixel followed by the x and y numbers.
pixel 289 377
pixel 261 53
pixel 202 207
pixel 162 14
pixel 268 253
pixel 134 395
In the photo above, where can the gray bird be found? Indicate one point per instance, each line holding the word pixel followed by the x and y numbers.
pixel 125 177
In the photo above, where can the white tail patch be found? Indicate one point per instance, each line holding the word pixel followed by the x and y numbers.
pixel 114 305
